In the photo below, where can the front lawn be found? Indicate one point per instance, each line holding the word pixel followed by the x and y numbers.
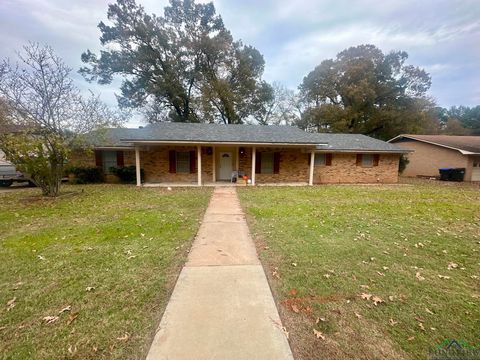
pixel 88 275
pixel 371 272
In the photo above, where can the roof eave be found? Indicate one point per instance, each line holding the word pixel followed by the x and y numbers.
pixel 205 142
pixel 463 152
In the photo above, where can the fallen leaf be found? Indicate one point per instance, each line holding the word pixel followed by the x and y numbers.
pixel 326 276
pixel 11 304
pixel 72 318
pixel 67 308
pixel 420 325
pixel 393 322
pixel 50 319
pixel 380 273
pixel 295 308
pixel 390 298
pixel 294 264
pixel 444 277
pixel 72 350
pixel 322 319
pixel 318 334
pixel 452 265
pixel 41 257
pixel 124 337
pixel 89 288
pixel 365 286
pixel 385 268
pixel 429 311
pixel 377 300
pixel 366 296
pixel 358 315
pixel 131 257
pixel 419 276
pixel 411 338
pixel 293 292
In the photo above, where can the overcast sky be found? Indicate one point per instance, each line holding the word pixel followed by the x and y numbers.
pixel 294 36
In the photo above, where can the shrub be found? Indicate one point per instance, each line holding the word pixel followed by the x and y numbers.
pixel 86 174
pixel 127 174
pixel 402 164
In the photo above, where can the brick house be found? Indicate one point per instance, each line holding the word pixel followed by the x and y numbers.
pixel 187 153
pixel 433 152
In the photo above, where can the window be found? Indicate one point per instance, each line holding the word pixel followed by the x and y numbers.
pixel 109 160
pixel 323 159
pixel 320 160
pixel 183 161
pixel 367 160
pixel 267 163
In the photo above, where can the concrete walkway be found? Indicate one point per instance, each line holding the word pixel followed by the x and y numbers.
pixel 222 306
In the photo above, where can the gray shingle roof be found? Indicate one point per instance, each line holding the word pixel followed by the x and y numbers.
pixel 356 142
pixel 258 134
pixel 196 132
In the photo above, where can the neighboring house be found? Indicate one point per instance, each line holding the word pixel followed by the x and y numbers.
pixel 209 153
pixel 433 152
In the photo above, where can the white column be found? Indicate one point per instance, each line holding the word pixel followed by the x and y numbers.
pixel 199 164
pixel 237 159
pixel 312 164
pixel 137 166
pixel 214 166
pixel 254 155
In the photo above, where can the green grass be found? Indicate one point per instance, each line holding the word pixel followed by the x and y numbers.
pixel 127 243
pixel 320 245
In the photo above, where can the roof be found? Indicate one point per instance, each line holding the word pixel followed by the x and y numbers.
pixel 356 142
pixel 239 134
pixel 219 133
pixel 467 145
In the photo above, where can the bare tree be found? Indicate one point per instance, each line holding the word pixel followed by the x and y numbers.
pixel 48 112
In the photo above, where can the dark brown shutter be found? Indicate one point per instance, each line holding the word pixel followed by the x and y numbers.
pixel 359 159
pixel 276 162
pixel 328 159
pixel 120 159
pixel 172 162
pixel 192 161
pixel 98 158
pixel 258 162
pixel 376 159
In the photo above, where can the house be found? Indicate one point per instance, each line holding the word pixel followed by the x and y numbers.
pixel 193 153
pixel 433 152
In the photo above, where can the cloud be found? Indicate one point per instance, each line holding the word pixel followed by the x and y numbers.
pixel 441 36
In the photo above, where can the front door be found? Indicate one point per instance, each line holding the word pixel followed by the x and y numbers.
pixel 225 172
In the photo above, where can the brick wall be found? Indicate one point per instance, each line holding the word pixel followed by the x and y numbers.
pixel 155 162
pixel 294 167
pixel 345 170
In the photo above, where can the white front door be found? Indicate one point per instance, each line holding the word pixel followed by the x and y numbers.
pixel 476 169
pixel 225 166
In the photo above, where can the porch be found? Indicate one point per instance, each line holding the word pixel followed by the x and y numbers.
pixel 172 165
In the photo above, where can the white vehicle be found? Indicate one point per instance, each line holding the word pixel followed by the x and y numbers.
pixel 9 174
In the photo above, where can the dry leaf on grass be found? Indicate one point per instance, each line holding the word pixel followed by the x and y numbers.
pixel 452 265
pixel 124 337
pixel 358 315
pixel 72 350
pixel 419 276
pixel 429 311
pixel 390 298
pixel 295 308
pixel 11 304
pixel 294 264
pixel 444 277
pixel 365 296
pixel 420 325
pixel 326 276
pixel 393 322
pixel 411 338
pixel 365 286
pixel 89 288
pixel 72 318
pixel 50 319
pixel 377 300
pixel 380 273
pixel 67 308
pixel 318 334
